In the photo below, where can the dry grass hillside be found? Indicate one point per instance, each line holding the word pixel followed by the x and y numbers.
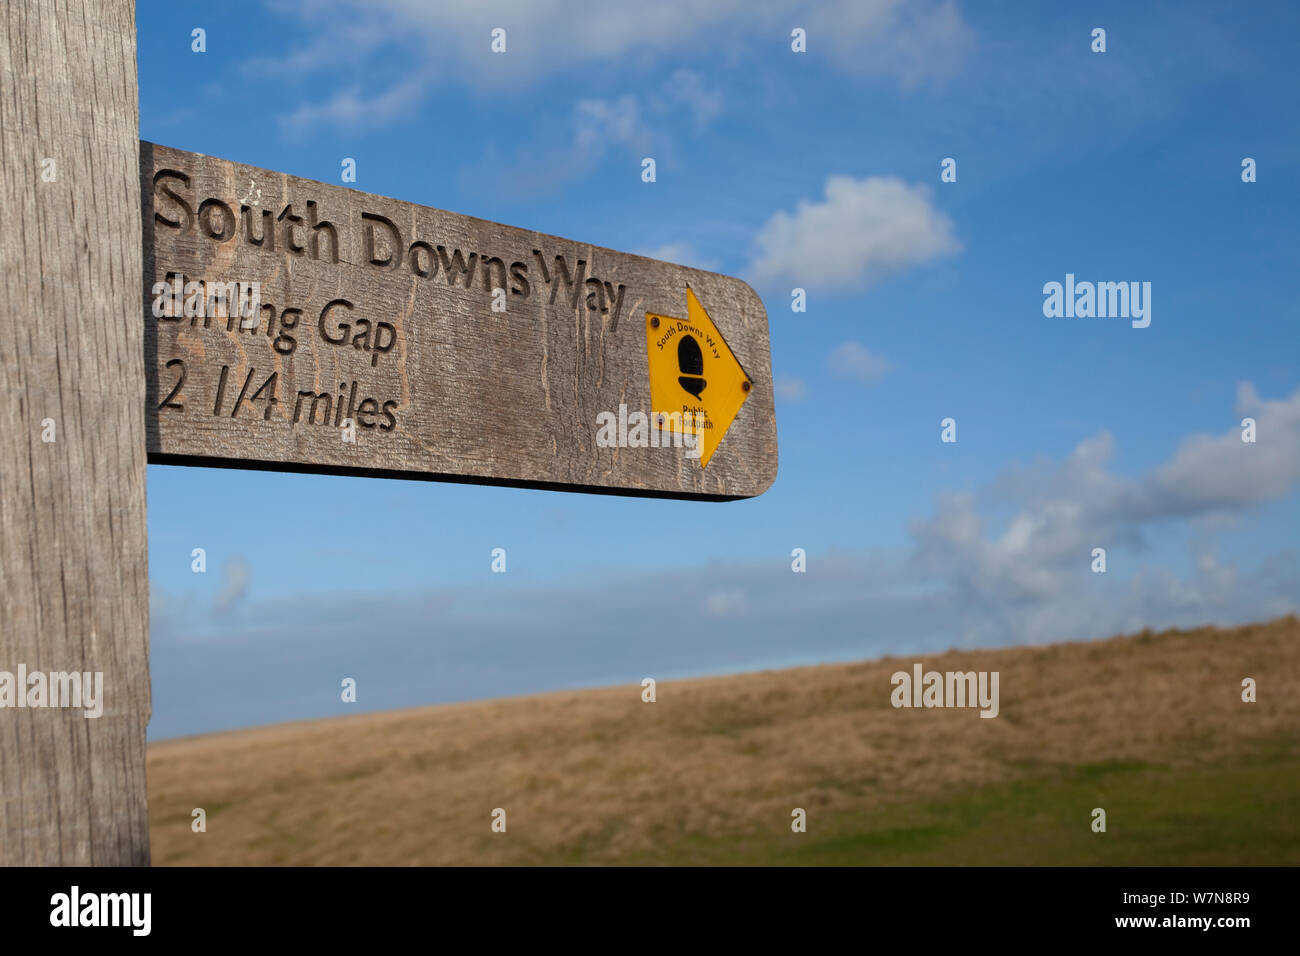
pixel 1151 728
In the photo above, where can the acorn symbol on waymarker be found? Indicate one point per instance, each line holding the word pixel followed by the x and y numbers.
pixel 690 360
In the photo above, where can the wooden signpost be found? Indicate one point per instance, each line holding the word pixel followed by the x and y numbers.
pixel 286 325
pixel 279 310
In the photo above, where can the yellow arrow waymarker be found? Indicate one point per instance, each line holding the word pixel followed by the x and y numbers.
pixel 692 372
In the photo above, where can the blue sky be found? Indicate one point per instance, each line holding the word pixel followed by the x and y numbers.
pixel 818 170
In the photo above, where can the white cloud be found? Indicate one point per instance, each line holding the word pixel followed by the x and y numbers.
pixel 726 603
pixel 913 41
pixel 1029 579
pixel 862 231
pixel 447 43
pixel 687 88
pixel 1223 472
pixel 790 389
pixel 854 360
pixel 636 126
pixel 682 253
pixel 600 123
pixel 351 109
pixel 234 588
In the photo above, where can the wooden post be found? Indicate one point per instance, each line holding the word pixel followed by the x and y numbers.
pixel 73 561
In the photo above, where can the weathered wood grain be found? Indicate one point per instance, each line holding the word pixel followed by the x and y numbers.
pixel 73 563
pixel 461 392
